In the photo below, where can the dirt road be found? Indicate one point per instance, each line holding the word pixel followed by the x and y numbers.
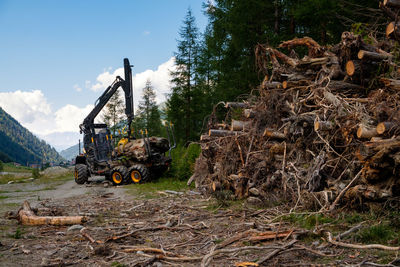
pixel 127 228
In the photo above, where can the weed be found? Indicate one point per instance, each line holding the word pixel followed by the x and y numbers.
pixel 18 233
pixel 308 221
pixel 381 233
pixel 149 190
pixel 118 264
pixel 3 197
pixel 35 173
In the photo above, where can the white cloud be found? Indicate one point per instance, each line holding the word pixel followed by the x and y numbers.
pixel 159 79
pixel 33 111
pixel 77 88
pixel 146 33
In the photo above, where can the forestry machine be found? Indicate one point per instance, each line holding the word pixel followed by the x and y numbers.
pixel 133 159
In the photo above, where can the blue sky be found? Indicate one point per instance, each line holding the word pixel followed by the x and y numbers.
pixel 49 47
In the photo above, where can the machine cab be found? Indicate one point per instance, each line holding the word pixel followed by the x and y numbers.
pixel 98 143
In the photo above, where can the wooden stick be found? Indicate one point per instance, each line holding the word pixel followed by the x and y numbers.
pixel 27 217
pixel 273 134
pixel 221 133
pixel 276 251
pixel 356 246
pixel 323 125
pixel 332 207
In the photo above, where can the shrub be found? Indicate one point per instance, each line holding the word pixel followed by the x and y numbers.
pixel 1 166
pixel 183 160
pixel 35 173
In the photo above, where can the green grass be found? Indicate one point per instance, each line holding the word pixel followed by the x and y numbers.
pixel 9 167
pixel 3 197
pixel 308 221
pixel 381 234
pixel 150 189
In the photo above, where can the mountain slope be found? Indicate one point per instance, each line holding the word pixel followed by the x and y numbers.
pixel 70 153
pixel 20 145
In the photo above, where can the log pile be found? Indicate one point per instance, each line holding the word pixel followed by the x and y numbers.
pixel 319 131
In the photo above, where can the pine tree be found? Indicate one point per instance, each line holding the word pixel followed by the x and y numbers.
pixel 180 109
pixel 113 112
pixel 148 114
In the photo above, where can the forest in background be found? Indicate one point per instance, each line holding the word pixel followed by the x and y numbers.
pixel 219 63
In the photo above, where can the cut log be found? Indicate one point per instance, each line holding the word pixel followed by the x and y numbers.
pixel 323 126
pixel 27 217
pixel 249 113
pixel 221 133
pixel 387 127
pixel 366 132
pixel 392 30
pixel 216 186
pixel 367 55
pixel 353 67
pixel 290 84
pixel 239 125
pixel 392 3
pixel 274 134
pixel 236 105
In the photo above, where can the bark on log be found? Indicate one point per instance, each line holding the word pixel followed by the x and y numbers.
pixel 340 85
pixel 273 134
pixel 236 105
pixel 27 217
pixel 367 55
pixel 392 3
pixel 272 85
pixel 222 133
pixel 387 127
pixel 239 125
pixel 249 113
pixel 366 132
pixel 323 126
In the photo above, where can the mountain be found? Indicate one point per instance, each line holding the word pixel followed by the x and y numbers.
pixel 61 140
pixel 20 145
pixel 70 153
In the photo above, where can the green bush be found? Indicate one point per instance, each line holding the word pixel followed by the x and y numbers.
pixel 183 160
pixel 1 166
pixel 35 173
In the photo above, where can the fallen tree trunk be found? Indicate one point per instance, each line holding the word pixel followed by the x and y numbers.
pixel 367 55
pixel 366 132
pixel 239 125
pixel 214 132
pixel 392 3
pixel 27 217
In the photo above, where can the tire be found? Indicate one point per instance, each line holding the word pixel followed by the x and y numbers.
pixel 138 173
pixel 119 175
pixel 81 173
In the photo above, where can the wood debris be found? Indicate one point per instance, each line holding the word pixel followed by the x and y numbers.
pixel 318 132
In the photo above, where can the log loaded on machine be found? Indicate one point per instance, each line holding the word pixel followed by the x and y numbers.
pixel 134 159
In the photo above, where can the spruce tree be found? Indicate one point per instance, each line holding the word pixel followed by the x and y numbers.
pixel 148 113
pixel 180 104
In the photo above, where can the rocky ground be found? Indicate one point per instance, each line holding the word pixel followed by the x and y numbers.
pixel 134 226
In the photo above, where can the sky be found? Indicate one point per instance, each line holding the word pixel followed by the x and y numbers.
pixel 57 57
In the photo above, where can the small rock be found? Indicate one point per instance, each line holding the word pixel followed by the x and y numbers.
pixel 26 251
pixel 315 243
pixel 254 191
pixel 75 227
pixel 157 264
pixel 10 182
pixel 45 262
pixel 254 201
pixel 140 252
pixel 38 246
pixel 106 185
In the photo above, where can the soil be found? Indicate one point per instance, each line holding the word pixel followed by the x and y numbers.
pixel 178 223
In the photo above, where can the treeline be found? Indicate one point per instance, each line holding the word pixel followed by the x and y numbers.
pixel 219 64
pixel 19 145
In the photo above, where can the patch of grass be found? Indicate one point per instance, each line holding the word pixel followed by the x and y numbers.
pixel 4 179
pixel 381 233
pixel 308 221
pixel 9 167
pixel 18 233
pixel 118 264
pixel 149 190
pixel 3 197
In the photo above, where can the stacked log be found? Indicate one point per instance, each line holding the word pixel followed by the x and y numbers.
pixel 322 130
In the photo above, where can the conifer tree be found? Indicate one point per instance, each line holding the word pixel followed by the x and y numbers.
pixel 113 112
pixel 148 113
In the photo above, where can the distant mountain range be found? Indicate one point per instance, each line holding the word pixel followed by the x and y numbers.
pixel 20 145
pixel 70 153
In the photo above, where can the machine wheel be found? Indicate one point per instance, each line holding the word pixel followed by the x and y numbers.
pixel 81 173
pixel 138 173
pixel 119 175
